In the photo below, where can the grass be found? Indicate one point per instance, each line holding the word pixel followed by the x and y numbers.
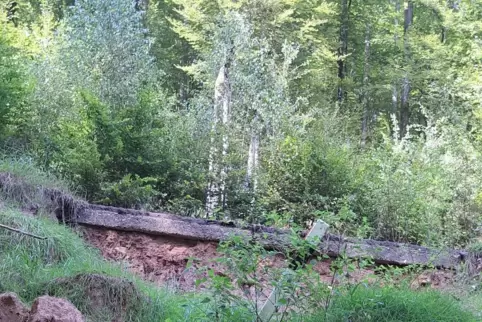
pixel 22 184
pixel 389 304
pixel 25 168
pixel 29 266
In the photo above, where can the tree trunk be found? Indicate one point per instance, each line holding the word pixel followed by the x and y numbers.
pixel 365 98
pixel 226 104
pixel 216 194
pixel 395 37
pixel 164 224
pixel 253 156
pixel 406 86
pixel 343 49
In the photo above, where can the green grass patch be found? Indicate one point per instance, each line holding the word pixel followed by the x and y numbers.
pixel 389 304
pixel 24 167
pixel 32 267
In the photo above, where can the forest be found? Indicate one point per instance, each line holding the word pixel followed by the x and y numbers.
pixel 366 114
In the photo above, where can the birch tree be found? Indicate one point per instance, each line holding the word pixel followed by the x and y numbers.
pixel 343 49
pixel 216 194
pixel 406 86
pixel 395 90
pixel 365 99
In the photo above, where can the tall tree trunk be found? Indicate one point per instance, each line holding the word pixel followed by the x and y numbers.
pixel 251 181
pixel 406 86
pixel 365 99
pixel 253 157
pixel 395 38
pixel 343 48
pixel 216 194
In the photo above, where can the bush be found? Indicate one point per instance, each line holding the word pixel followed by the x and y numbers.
pixel 423 190
pixel 130 192
pixel 13 83
pixel 309 173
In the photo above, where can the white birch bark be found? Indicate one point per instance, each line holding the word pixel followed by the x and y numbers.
pixel 216 193
pixel 343 49
pixel 225 100
pixel 406 86
pixel 253 157
pixel 365 99
pixel 395 37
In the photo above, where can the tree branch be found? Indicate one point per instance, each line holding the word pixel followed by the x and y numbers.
pixel 22 232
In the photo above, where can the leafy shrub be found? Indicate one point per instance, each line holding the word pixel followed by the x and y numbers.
pixel 423 190
pixel 13 89
pixel 130 192
pixel 309 173
pixel 249 277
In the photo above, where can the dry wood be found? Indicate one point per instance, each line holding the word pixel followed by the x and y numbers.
pixel 21 232
pixel 165 224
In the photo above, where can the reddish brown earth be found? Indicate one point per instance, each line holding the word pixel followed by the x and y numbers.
pixel 52 309
pixel 155 258
pixel 12 309
pixel 163 260
pixel 44 309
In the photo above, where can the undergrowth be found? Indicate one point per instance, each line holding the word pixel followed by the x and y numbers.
pixel 30 267
pixel 63 265
pixel 362 303
pixel 25 168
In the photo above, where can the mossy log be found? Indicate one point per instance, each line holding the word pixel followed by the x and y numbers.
pixel 164 224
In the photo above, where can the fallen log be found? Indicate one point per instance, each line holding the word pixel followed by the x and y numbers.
pixel 69 209
pixel 164 224
pixel 384 252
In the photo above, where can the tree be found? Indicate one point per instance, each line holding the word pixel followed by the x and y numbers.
pixel 106 48
pixel 13 81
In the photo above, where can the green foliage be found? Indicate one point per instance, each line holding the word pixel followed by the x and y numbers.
pixel 130 192
pixel 250 275
pixel 118 98
pixel 24 167
pixel 310 173
pixel 424 190
pixel 105 50
pixel 13 82
pixel 361 303
pixel 302 297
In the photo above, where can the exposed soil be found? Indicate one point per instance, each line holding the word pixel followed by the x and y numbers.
pixel 44 309
pixel 155 258
pixel 52 309
pixel 12 309
pixel 163 260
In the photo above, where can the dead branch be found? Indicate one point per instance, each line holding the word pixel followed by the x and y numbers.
pixel 22 232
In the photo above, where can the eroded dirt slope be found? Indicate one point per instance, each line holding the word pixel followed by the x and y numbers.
pixel 158 259
pixel 163 260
